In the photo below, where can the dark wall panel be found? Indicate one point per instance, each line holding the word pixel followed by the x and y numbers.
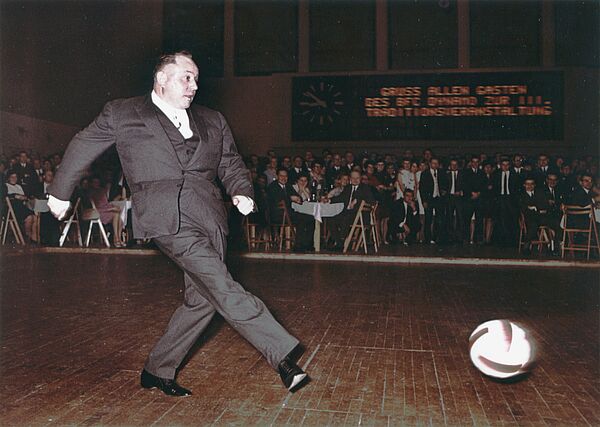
pixel 505 33
pixel 423 34
pixel 577 35
pixel 266 37
pixel 342 35
pixel 61 60
pixel 196 26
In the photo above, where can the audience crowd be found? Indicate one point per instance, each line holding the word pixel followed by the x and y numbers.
pixel 424 198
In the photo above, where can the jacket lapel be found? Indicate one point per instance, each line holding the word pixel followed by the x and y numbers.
pixel 147 112
pixel 198 122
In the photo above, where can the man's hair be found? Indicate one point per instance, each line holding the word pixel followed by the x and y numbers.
pixel 281 170
pixel 169 58
pixel 408 190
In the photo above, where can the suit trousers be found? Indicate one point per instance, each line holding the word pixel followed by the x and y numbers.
pixel 209 288
pixel 435 224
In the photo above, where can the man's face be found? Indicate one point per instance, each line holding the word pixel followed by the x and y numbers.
pixel 344 179
pixel 587 182
pixel 337 160
pixel 529 185
pixel 551 180
pixel 518 161
pixel 48 177
pixel 543 161
pixel 434 164
pixel 37 164
pixel 298 162
pixel 475 163
pixel 22 158
pixel 405 165
pixel 317 169
pixel 380 166
pixel 309 155
pixel 177 83
pixel 408 197
pixel 505 165
pixel 370 169
pixel 349 158
pixel 355 178
pixel 453 165
pixel 282 177
pixel 273 162
pixel 488 169
pixel 286 162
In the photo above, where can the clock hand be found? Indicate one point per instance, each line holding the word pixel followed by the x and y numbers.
pixel 309 104
pixel 319 101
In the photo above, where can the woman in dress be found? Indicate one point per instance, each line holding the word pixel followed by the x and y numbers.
pixel 488 203
pixel 109 213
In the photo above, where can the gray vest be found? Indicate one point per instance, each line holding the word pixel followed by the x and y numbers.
pixel 184 148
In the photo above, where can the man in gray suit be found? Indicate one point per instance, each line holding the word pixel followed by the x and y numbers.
pixel 173 153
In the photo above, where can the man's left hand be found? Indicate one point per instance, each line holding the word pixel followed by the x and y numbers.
pixel 244 204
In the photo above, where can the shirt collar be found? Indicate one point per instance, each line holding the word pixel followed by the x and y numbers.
pixel 169 111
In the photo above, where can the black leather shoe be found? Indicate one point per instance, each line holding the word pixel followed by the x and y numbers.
pixel 168 387
pixel 292 376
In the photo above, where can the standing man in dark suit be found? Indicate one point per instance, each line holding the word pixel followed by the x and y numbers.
pixel 455 212
pixel 434 188
pixel 474 183
pixel 172 154
pixel 352 196
pixel 507 190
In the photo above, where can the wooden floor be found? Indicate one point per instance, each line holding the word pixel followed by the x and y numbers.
pixel 385 345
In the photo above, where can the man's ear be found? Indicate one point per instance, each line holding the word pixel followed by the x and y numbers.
pixel 161 77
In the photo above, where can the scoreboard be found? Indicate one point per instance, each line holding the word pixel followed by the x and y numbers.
pixel 441 106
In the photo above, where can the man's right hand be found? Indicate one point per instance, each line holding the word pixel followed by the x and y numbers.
pixel 58 207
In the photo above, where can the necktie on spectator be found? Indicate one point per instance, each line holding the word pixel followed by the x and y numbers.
pixel 351 194
pixel 505 183
pixel 453 190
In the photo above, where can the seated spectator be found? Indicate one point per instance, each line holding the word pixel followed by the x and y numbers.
pixel 534 207
pixel 25 216
pixel 49 225
pixel 26 176
pixel 404 223
pixel 282 191
pixel 352 196
pixel 270 171
pixel 333 170
pixel 297 170
pixel 109 214
pixel 302 189
pixel 340 183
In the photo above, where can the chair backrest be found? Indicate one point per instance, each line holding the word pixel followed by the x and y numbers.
pixel 286 214
pixel 579 210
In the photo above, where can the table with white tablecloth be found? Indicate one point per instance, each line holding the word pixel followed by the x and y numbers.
pixel 318 211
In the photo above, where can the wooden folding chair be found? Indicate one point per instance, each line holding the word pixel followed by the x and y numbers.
pixel 585 214
pixel 255 235
pixel 545 235
pixel 10 220
pixel 93 216
pixel 284 232
pixel 72 221
pixel 357 236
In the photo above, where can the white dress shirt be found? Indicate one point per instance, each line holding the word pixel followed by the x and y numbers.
pixel 178 117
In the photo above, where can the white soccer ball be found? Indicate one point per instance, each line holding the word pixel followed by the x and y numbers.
pixel 501 349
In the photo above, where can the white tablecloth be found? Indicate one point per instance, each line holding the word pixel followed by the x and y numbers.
pixel 318 210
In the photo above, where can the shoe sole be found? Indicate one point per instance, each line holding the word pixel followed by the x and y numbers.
pixel 298 381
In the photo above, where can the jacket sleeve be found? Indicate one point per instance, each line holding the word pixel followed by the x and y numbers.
pixel 83 149
pixel 232 171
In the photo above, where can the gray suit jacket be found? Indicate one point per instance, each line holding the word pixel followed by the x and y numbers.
pixel 152 168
